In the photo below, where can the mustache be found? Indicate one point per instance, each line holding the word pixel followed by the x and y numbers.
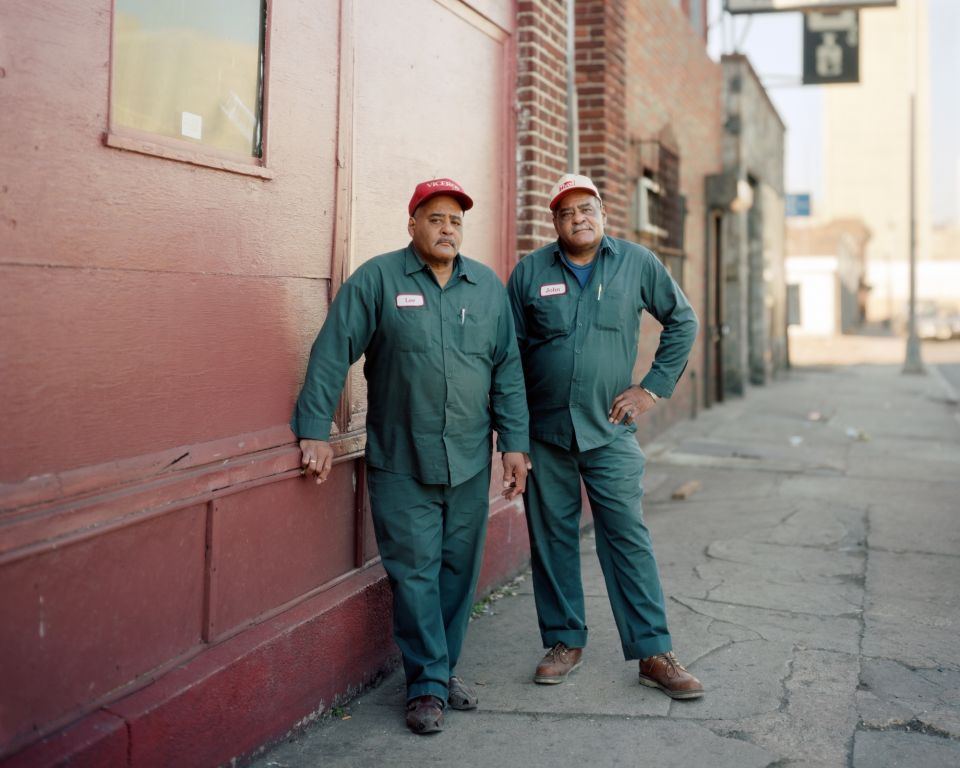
pixel 447 240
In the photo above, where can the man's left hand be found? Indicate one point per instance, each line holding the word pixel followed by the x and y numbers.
pixel 629 404
pixel 515 468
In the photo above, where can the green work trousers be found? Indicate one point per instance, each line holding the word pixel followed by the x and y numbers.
pixel 431 545
pixel 613 477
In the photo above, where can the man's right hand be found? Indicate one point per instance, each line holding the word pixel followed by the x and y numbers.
pixel 317 458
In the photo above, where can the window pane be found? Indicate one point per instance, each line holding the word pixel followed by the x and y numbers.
pixel 190 69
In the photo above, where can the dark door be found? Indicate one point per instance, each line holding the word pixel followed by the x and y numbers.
pixel 715 325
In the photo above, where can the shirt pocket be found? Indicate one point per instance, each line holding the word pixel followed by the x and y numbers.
pixel 613 311
pixel 477 334
pixel 549 316
pixel 413 329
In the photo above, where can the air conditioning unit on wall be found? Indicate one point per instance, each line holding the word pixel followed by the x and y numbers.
pixel 648 193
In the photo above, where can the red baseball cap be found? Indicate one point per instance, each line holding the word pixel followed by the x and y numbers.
pixel 427 189
pixel 568 183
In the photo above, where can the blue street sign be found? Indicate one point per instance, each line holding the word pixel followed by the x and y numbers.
pixel 798 204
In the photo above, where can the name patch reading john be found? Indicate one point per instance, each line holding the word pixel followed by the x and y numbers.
pixel 554 289
pixel 409 299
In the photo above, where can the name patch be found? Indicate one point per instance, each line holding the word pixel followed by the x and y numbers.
pixel 553 289
pixel 409 299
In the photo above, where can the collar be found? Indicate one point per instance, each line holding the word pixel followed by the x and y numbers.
pixel 607 246
pixel 413 263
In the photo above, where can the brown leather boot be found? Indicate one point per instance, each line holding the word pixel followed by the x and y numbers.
pixel 557 664
pixel 663 671
pixel 425 714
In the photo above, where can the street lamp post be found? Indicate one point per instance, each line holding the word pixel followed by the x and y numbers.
pixel 913 362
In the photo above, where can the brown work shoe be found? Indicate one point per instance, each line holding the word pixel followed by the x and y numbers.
pixel 460 695
pixel 663 671
pixel 558 662
pixel 425 714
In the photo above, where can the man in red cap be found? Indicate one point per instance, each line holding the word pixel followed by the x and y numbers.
pixel 577 305
pixel 442 371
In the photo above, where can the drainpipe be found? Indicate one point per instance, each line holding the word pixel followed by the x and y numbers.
pixel 573 109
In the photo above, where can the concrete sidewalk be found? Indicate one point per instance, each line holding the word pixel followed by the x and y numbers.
pixel 813 585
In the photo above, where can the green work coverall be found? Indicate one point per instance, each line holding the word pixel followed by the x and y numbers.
pixel 579 347
pixel 442 370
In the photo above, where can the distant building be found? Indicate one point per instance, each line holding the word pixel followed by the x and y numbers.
pixel 866 135
pixel 747 202
pixel 826 276
pixel 945 243
pixel 938 286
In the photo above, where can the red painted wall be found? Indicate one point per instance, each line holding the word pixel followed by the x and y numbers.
pixel 150 303
pixel 153 324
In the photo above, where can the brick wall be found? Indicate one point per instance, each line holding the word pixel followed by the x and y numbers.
pixel 542 116
pixel 674 88
pixel 601 76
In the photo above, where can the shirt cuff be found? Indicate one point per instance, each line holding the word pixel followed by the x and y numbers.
pixel 509 443
pixel 655 381
pixel 311 428
pixel 654 395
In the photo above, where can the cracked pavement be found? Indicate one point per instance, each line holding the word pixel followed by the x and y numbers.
pixel 812 585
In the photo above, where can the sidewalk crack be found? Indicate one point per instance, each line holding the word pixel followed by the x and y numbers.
pixel 851 615
pixel 912 667
pixel 714 619
pixel 851 742
pixel 914 725
pixel 888 551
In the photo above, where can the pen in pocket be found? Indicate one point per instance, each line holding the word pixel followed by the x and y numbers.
pixel 463 314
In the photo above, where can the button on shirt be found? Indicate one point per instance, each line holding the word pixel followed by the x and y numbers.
pixel 579 345
pixel 441 365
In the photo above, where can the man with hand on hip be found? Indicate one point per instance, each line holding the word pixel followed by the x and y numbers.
pixel 577 304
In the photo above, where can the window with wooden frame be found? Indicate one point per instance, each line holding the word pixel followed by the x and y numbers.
pixel 659 210
pixel 187 81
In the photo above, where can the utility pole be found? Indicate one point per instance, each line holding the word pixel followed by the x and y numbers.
pixel 913 362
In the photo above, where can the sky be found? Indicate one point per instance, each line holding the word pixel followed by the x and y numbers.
pixel 945 103
pixel 773 43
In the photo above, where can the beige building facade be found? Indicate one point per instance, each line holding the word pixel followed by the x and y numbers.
pixel 866 172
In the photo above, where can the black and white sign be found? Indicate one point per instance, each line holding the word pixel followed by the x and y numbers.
pixel 831 47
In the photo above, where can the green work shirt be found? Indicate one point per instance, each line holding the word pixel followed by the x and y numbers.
pixel 579 345
pixel 442 367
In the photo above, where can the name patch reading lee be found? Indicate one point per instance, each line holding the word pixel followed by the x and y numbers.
pixel 554 289
pixel 409 299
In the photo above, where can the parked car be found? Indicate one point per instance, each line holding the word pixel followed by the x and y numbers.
pixel 934 322
pixel 955 324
